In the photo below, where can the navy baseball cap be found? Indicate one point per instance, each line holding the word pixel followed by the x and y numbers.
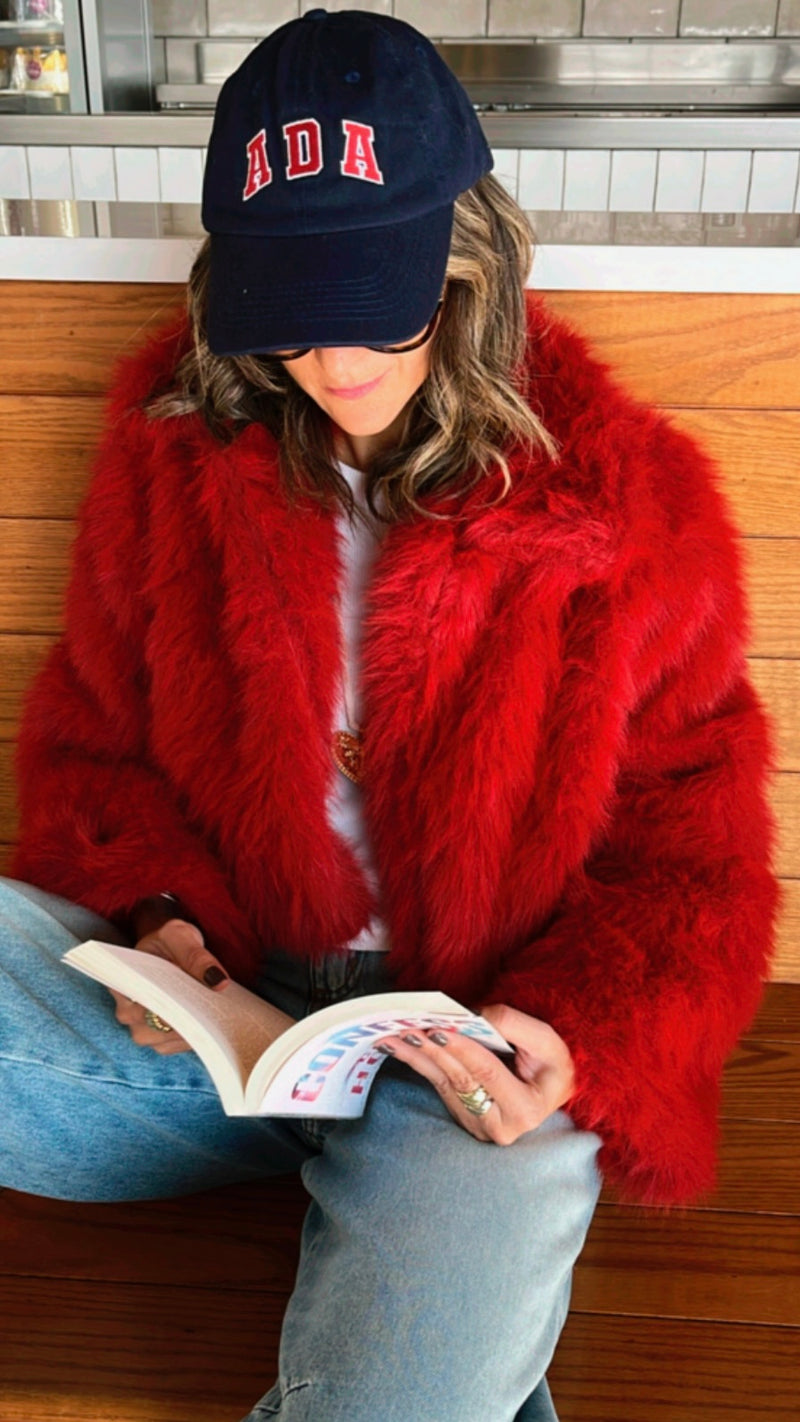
pixel 338 149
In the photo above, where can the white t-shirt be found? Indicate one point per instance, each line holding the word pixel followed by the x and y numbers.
pixel 359 542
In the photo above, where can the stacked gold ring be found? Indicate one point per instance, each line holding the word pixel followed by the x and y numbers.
pixel 478 1101
pixel 153 1020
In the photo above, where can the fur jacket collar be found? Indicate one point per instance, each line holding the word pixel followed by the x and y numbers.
pixel 565 760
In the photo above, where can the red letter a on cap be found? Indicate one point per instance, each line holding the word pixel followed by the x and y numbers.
pixel 359 152
pixel 259 173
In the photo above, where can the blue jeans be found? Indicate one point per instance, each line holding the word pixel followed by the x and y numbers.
pixel 434 1271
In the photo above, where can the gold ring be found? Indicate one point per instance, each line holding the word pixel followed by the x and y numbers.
pixel 153 1020
pixel 477 1101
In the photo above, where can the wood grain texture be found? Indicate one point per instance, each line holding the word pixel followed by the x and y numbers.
pixel 21 656
pixel 669 348
pixel 778 1016
pixel 627 1369
pixel 674 348
pixel 762 1082
pixel 48 445
pixel 707 1265
pixel 75 333
pixel 758 454
pixel 33 573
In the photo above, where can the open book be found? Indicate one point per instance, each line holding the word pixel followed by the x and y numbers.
pixel 261 1061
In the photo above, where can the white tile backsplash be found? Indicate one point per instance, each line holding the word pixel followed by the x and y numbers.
pixel 731 18
pixel 50 171
pixel 726 181
pixel 179 17
pixel 627 18
pixel 773 186
pixel 444 19
pixel 544 19
pixel 249 17
pixel 680 180
pixel 633 180
pixel 541 179
pixel 137 174
pixel 506 168
pixel 180 174
pixel 93 175
pixel 14 181
pixel 586 180
pixel 378 7
pixel 181 58
pixel 788 18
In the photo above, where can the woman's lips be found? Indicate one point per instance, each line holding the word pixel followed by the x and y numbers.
pixel 354 392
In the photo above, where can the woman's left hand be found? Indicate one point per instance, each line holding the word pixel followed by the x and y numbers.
pixel 541 1080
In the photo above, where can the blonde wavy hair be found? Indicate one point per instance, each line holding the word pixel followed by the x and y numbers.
pixel 470 411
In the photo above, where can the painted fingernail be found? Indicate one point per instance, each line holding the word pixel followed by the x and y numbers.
pixel 387 1050
pixel 412 1039
pixel 213 976
pixel 439 1038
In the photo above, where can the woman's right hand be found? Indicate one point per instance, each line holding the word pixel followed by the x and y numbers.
pixel 180 943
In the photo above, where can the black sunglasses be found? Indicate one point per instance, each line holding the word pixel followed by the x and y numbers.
pixel 401 349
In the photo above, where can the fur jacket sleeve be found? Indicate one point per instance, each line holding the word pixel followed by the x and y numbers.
pixel 566 762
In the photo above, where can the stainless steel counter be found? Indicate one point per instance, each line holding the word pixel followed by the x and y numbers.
pixel 528 129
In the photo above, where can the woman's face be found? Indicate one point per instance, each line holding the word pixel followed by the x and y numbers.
pixel 363 391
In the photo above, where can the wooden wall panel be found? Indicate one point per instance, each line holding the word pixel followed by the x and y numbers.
pixel 75 332
pixel 698 349
pixel 48 444
pixel 758 453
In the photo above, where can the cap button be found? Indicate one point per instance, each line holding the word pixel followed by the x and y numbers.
pixel 315 15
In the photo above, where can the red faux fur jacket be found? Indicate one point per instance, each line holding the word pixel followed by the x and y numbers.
pixel 566 762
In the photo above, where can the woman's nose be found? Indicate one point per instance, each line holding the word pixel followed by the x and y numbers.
pixel 345 365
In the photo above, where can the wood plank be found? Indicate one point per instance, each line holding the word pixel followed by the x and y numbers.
pixel 761 1081
pixel 247 1236
pixel 622 1369
pixel 784 794
pixel 741 1268
pixel 694 349
pixel 772 570
pixel 48 444
pixel 758 1170
pixel 239 1237
pixel 33 573
pixel 111 1353
pixel 785 965
pixel 75 332
pixel 758 453
pixel 89 1353
pixel 777 680
pixel 20 658
pixel 778 1017
pixel 673 348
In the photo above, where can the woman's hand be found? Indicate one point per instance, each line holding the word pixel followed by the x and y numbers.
pixel 180 943
pixel 541 1080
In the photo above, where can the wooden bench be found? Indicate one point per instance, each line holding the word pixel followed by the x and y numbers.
pixel 170 1311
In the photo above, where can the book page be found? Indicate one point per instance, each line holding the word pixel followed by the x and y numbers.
pixel 330 1073
pixel 229 1029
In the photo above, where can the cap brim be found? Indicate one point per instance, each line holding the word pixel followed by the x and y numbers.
pixel 372 286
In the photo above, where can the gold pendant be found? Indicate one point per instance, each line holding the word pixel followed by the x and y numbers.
pixel 348 754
